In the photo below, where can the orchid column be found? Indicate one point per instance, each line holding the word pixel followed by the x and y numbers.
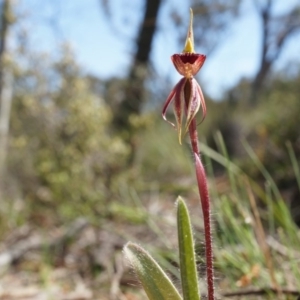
pixel 187 98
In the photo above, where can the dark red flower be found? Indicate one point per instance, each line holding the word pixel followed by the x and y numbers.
pixel 187 94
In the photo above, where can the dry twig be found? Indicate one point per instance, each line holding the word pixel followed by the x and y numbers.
pixel 260 292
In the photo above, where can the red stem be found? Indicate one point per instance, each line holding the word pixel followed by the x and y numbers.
pixel 205 203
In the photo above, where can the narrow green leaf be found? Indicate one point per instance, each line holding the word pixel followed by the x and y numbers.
pixel 188 268
pixel 155 282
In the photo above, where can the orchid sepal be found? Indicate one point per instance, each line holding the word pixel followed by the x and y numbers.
pixel 189 43
pixel 178 106
pixel 193 103
pixel 196 102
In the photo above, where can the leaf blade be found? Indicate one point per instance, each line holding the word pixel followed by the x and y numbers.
pixel 153 279
pixel 188 269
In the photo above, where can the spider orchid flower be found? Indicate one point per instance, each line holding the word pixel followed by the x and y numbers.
pixel 187 95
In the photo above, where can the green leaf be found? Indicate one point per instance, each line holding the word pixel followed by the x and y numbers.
pixel 188 268
pixel 155 282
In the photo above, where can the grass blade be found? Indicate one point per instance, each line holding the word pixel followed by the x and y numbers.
pixel 294 162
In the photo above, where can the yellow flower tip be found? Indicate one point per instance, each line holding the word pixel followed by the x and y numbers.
pixel 189 44
pixel 189 47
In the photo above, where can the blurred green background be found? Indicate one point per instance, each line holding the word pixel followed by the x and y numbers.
pixel 81 136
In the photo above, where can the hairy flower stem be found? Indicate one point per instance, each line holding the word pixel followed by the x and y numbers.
pixel 205 204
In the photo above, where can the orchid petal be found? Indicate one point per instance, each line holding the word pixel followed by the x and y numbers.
pixel 167 103
pixel 193 103
pixel 178 106
pixel 179 86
